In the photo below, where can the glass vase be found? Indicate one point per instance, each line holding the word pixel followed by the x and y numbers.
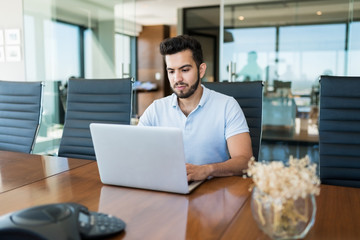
pixel 283 218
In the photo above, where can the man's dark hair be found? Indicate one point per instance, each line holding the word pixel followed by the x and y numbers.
pixel 181 43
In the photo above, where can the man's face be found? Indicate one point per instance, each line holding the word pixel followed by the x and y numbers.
pixel 183 74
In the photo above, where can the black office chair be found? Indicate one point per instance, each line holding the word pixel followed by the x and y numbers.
pixel 339 131
pixel 249 95
pixel 20 115
pixel 93 100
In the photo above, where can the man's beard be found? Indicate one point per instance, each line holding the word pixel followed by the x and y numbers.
pixel 191 91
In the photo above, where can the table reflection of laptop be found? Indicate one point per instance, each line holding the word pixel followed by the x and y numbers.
pixel 141 157
pixel 167 211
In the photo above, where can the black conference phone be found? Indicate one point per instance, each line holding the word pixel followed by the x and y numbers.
pixel 61 221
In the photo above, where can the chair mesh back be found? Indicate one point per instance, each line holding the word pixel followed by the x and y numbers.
pixel 249 96
pixel 20 112
pixel 88 101
pixel 339 130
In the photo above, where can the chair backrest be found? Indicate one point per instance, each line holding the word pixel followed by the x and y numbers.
pixel 92 100
pixel 249 95
pixel 20 115
pixel 339 131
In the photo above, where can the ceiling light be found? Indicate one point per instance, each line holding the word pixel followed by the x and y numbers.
pixel 319 13
pixel 241 18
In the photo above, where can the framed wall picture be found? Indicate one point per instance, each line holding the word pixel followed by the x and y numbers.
pixel 12 36
pixel 13 54
pixel 1 37
pixel 2 54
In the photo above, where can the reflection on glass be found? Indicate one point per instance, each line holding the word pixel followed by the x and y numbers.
pixel 306 52
pixel 62 61
pixel 251 71
pixel 122 55
pixel 62 44
pixel 354 49
pixel 295 43
pixel 252 50
pixel 66 39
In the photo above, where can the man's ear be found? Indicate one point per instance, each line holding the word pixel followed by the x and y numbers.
pixel 202 69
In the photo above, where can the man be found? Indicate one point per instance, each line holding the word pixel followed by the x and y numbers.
pixel 251 71
pixel 216 136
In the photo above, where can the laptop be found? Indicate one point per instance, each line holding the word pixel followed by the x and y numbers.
pixel 141 157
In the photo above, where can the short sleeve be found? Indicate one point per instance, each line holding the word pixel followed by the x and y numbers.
pixel 147 116
pixel 235 119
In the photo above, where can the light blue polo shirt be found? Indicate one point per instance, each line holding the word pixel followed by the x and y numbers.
pixel 205 129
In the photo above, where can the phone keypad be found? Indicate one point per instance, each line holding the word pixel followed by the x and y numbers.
pixel 104 224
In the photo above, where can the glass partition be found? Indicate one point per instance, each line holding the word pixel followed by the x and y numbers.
pixel 75 38
pixel 254 49
pixel 203 24
pixel 288 45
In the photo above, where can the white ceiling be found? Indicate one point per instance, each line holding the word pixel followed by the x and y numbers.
pixel 157 12
pixel 165 12
pixel 145 12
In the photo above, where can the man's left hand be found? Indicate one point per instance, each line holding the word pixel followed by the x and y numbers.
pixel 197 172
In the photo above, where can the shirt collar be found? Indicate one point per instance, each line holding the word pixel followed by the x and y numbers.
pixel 205 96
pixel 174 102
pixel 203 99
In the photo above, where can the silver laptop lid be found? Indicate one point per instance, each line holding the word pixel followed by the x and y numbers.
pixel 140 157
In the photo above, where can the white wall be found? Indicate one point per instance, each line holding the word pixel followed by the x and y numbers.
pixel 11 18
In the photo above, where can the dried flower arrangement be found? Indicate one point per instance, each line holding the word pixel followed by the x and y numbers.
pixel 279 181
pixel 279 191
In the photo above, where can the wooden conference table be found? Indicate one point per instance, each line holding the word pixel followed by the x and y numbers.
pixel 218 209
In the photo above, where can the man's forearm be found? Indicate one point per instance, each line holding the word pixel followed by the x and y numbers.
pixel 231 167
